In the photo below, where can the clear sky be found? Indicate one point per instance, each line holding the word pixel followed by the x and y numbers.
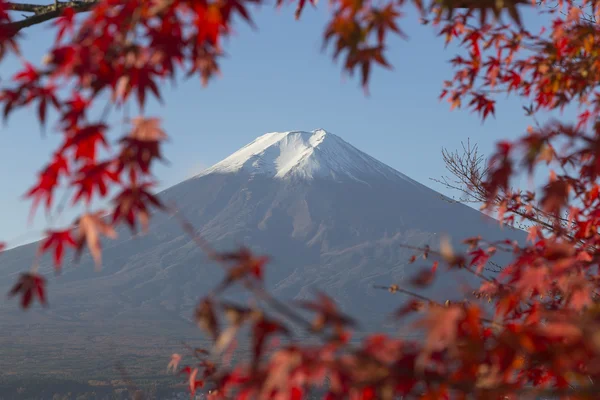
pixel 276 78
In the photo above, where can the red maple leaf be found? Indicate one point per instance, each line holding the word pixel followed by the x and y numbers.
pixel 245 263
pixel 139 78
pixel 133 203
pixel 85 140
pixel 93 177
pixel 479 259
pixel 441 324
pixel 327 313
pixel 58 240
pixel 141 146
pixel 65 22
pixel 8 33
pixel 47 182
pixel 556 195
pixel 204 61
pixel 261 330
pixel 45 95
pixel 410 307
pixel 423 278
pixel 28 75
pixel 30 285
pixel 167 40
pixel 193 383
pixel 206 318
pixel 74 111
pixel 210 21
pixel 384 20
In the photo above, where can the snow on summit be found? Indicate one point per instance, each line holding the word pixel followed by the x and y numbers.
pixel 304 155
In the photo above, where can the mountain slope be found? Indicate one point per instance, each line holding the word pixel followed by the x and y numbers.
pixel 331 217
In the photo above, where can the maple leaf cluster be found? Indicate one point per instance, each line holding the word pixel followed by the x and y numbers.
pixel 540 337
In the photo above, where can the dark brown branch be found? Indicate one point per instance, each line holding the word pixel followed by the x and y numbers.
pixel 34 8
pixel 465 267
pixel 397 289
pixel 43 13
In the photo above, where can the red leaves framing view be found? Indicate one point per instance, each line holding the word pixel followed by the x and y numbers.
pixel 541 337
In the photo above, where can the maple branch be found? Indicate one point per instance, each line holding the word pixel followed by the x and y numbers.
pixel 585 16
pixel 398 289
pixel 34 8
pixel 470 170
pixel 45 12
pixel 465 267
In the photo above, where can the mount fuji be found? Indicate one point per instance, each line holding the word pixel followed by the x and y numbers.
pixel 331 218
pixel 305 155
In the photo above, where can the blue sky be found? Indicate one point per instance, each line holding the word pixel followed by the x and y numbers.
pixel 276 78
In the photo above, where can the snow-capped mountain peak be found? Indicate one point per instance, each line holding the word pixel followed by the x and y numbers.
pixel 304 155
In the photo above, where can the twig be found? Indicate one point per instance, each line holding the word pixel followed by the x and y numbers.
pixel 43 13
pixel 465 267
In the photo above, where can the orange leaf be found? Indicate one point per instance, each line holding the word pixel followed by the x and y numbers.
pixel 89 228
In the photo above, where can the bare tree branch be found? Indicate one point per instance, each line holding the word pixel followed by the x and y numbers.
pixel 45 12
pixel 468 170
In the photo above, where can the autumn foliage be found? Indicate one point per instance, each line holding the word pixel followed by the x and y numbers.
pixel 543 338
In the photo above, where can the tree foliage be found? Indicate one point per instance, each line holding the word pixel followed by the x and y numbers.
pixel 542 338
